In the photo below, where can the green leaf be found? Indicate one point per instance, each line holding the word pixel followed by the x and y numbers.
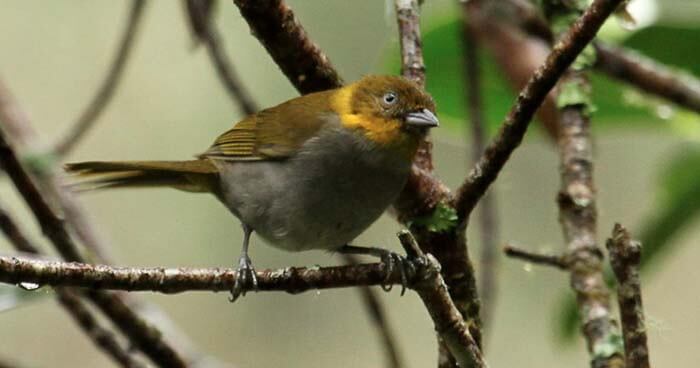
pixel 443 218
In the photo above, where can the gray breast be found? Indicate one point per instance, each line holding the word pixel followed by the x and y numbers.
pixel 322 198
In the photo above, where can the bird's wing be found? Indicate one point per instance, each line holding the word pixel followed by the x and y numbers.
pixel 275 133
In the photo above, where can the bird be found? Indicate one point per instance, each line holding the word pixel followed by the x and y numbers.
pixel 310 173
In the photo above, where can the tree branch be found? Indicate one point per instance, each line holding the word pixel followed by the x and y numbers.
pixel 14 120
pixel 448 320
pixel 279 31
pixel 625 255
pixel 199 15
pixel 104 94
pixel 515 125
pixel 488 222
pixel 408 19
pixel 560 262
pixel 71 302
pixel 624 64
pixel 648 75
pixel 577 206
pixel 14 270
pixel 102 337
pixel 453 255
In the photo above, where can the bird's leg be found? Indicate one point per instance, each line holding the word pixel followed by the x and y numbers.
pixel 390 260
pixel 245 273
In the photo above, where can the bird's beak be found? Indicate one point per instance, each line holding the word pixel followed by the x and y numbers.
pixel 424 118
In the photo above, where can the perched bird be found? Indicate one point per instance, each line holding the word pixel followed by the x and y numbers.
pixel 311 173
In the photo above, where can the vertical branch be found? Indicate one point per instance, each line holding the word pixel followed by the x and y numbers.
pixel 199 14
pixel 577 205
pixel 408 18
pixel 625 255
pixel 104 94
pixel 488 225
pixel 412 65
pixel 449 247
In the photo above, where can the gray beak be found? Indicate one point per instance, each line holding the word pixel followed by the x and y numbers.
pixel 423 118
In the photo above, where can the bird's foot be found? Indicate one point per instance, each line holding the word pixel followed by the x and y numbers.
pixel 245 278
pixel 392 261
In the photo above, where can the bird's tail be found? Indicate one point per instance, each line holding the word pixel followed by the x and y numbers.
pixel 192 176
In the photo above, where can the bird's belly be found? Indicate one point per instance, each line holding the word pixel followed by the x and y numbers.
pixel 310 203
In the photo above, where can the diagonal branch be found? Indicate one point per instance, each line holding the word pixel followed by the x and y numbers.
pixel 144 336
pixel 71 301
pixel 199 15
pixel 104 94
pixel 622 63
pixel 648 75
pixel 279 31
pixel 448 320
pixel 514 127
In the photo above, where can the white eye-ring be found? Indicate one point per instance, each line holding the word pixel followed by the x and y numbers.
pixel 390 98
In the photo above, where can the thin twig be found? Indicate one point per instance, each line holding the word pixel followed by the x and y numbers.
pixel 557 261
pixel 488 222
pixel 199 15
pixel 14 120
pixel 625 255
pixel 104 94
pixel 448 320
pixel 516 123
pixel 408 18
pixel 413 66
pixel 648 75
pixel 377 313
pixel 279 31
pixel 15 269
pixel 71 301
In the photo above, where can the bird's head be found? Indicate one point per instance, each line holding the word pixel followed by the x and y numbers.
pixel 391 111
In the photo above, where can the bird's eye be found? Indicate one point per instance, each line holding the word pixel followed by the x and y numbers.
pixel 390 98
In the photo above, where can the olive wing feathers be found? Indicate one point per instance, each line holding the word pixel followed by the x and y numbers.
pixel 275 133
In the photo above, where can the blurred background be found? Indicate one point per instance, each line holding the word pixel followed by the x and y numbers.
pixel 171 105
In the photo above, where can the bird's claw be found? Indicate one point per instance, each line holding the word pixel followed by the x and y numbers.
pixel 245 278
pixel 392 260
